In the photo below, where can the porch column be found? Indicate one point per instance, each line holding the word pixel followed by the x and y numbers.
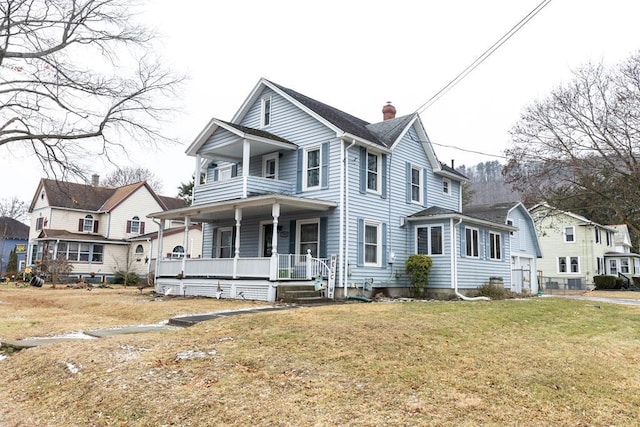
pixel 275 213
pixel 185 244
pixel 237 242
pixel 246 158
pixel 159 256
pixel 196 179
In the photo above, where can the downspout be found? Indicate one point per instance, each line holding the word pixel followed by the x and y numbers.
pixel 454 265
pixel 344 229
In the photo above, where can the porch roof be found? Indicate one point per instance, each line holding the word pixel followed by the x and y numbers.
pixel 253 207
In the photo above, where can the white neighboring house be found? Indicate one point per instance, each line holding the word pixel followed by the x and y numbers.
pixel 574 247
pixel 98 229
pixel 622 260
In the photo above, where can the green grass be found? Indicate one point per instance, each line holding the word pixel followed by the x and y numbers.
pixel 539 361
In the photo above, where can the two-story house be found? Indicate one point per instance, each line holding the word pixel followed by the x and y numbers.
pixel 99 230
pixel 621 260
pixel 13 237
pixel 523 242
pixel 295 189
pixel 574 247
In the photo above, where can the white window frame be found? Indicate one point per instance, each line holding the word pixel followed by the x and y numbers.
pixel 446 186
pixel 475 242
pixel 565 234
pixel 305 168
pixel 568 263
pixel 39 223
pixel 87 224
pixel 609 238
pixel 377 172
pixel 613 267
pixel 224 172
pixel 495 246
pixel 265 161
pixel 135 225
pixel 625 267
pixel 219 232
pixel 178 252
pixel 377 244
pixel 299 225
pixel 265 112
pixel 429 229
pixel 598 235
pixel 418 185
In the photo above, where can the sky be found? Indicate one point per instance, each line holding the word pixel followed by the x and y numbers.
pixel 357 55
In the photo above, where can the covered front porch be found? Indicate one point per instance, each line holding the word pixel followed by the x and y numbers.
pixel 242 245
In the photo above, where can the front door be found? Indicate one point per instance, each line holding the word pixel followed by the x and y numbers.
pixel 267 239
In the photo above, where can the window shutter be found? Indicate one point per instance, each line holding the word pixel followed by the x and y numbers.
pixel 81 224
pixel 424 186
pixel 95 226
pixel 142 227
pixel 299 172
pixel 408 180
pixel 360 242
pixel 128 226
pixel 324 174
pixel 215 174
pixel 384 245
pixel 322 250
pixel 463 241
pixel 363 170
pixel 292 237
pixel 234 170
pixel 384 176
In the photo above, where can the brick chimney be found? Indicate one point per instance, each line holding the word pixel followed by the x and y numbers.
pixel 388 111
pixel 95 180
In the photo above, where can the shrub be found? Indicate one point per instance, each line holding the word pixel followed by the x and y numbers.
pixel 493 291
pixel 608 282
pixel 125 278
pixel 418 267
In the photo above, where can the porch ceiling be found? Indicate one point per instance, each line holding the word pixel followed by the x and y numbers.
pixel 252 207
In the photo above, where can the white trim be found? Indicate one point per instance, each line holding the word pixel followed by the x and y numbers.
pixel 421 183
pixel 448 191
pixel 493 235
pixel 305 162
pixel 301 222
pixel 266 111
pixel 567 260
pixel 219 232
pixel 261 236
pixel 428 227
pixel 573 233
pixel 378 227
pixel 265 159
pixel 378 172
pixel 477 241
pixel 224 169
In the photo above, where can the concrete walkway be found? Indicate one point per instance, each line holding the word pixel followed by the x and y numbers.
pixel 172 324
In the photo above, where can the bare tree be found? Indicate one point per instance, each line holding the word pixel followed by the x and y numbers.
pixel 13 208
pixel 130 175
pixel 75 76
pixel 579 148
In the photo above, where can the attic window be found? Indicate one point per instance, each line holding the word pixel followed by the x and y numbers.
pixel 266 112
pixel 42 196
pixel 446 186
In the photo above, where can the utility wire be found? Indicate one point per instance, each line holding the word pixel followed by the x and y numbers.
pixel 480 59
pixel 469 151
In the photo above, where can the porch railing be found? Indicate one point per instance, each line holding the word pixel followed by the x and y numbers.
pixel 287 267
pixel 239 187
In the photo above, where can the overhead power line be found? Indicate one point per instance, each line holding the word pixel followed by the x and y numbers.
pixel 480 59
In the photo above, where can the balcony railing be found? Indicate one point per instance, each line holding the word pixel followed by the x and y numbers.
pixel 239 187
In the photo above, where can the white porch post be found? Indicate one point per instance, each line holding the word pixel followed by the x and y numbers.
pixel 159 256
pixel 185 244
pixel 246 158
pixel 275 213
pixel 196 179
pixel 237 242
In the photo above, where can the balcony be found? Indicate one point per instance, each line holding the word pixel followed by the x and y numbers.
pixel 240 187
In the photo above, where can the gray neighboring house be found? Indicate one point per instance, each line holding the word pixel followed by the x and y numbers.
pixel 524 245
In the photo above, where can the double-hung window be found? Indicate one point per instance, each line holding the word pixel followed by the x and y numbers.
pixel 88 224
pixel 39 223
pixel 225 242
pixel 311 168
pixel 624 266
pixel 309 236
pixel 372 243
pixel 446 186
pixel 429 240
pixel 495 246
pixel 374 177
pixel 570 264
pixel 266 112
pixel 569 234
pixel 471 242
pixel 270 166
pixel 416 184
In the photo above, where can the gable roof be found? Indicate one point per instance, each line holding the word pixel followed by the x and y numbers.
pixel 13 229
pixel 495 212
pixel 583 220
pixel 71 195
pixel 437 212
